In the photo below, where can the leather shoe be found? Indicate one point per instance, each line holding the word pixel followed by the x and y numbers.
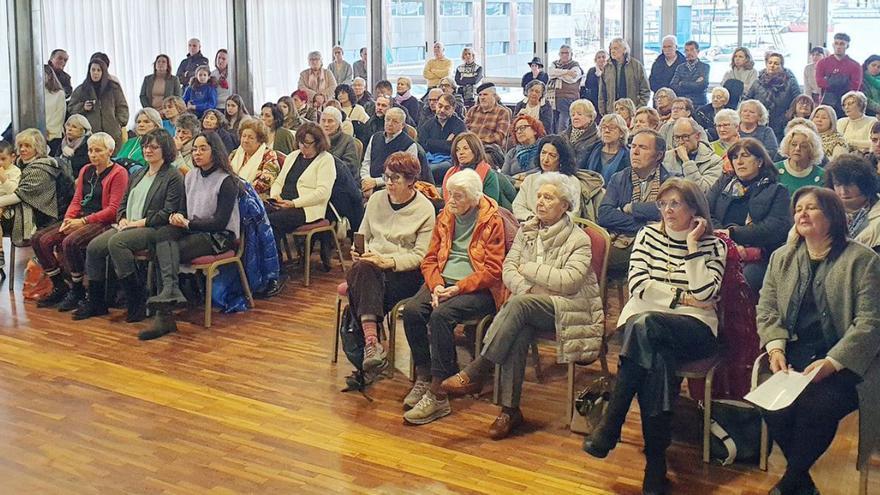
pixel 461 384
pixel 597 446
pixel 504 424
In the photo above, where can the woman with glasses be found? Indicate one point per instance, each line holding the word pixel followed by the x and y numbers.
pixel 301 191
pixel 526 131
pixel 397 228
pixel 611 154
pixel 727 127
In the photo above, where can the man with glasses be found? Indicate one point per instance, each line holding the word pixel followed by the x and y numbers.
pixel 381 146
pixel 437 133
pixel 317 79
pixel 430 109
pixel 681 108
pixel 691 157
pixel 488 119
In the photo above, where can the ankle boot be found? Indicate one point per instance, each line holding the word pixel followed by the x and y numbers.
pixel 95 303
pixel 73 298
pixel 59 290
pixel 168 256
pixel 163 323
pixel 607 432
pixel 135 298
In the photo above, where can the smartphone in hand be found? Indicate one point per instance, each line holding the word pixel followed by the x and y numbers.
pixel 359 243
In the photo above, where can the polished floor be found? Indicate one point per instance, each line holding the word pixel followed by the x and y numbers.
pixel 253 405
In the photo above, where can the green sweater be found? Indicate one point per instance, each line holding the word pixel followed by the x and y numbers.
pixel 793 183
pixel 458 266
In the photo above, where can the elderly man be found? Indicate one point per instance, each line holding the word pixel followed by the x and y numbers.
pixel 187 127
pixel 691 79
pixel 317 79
pixel 631 198
pixel 342 70
pixel 437 133
pixel 438 67
pixel 360 67
pixel 194 59
pixel 564 86
pixel 363 97
pixel 57 61
pixel 429 110
pixel 623 77
pixel 384 88
pixel 488 119
pixel 691 157
pixel 381 146
pixel 666 63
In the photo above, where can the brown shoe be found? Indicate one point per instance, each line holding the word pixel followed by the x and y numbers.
pixel 504 424
pixel 460 384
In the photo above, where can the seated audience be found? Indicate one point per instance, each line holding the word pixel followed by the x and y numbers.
pixel 856 126
pixel 854 181
pixel 727 127
pixel 522 157
pixel 535 73
pixel 397 229
pixel 405 98
pixel 214 121
pixel 803 154
pixel 825 119
pixel 449 87
pixel 681 108
pixel 742 68
pixel 429 109
pixel 74 145
pixel 172 107
pixel 279 138
pixel 692 158
pixel 489 119
pixel 553 288
pixel 317 106
pixel 160 84
pixel 207 227
pixel 535 105
pixel 254 161
pixel 554 155
pixel 316 79
pixel 670 319
pixel 362 97
pixel 583 133
pixel 818 312
pixel 801 107
pixel 131 156
pixel 302 105
pixel 626 109
pixel 99 190
pixel 201 94
pixel 873 155
pixel 342 145
pixel 438 67
pixel 153 195
pixel 462 272
pixel 342 70
pixel 382 144
pixel 663 99
pixel 186 129
pixel 646 118
pixel 101 100
pixel 292 118
pixel 468 153
pixel 376 123
pixel 753 119
pixel 611 154
pixel 354 112
pixel 236 111
pixel 775 88
pixel 751 207
pixel 468 76
pixel 631 196
pixel 437 133
pixel 705 115
pixel 691 79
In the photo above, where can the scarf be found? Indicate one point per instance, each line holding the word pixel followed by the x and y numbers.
pixel 737 188
pixel 525 155
pixel 576 134
pixel 872 82
pixel 468 69
pixel 653 181
pixel 857 221
pixel 316 80
pixel 251 169
pixel 831 139
pixel 399 99
pixel 774 82
pixel 68 147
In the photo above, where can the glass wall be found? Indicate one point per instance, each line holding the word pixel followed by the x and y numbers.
pixel 5 72
pixel 458 22
pixel 651 32
pixel 780 27
pixel 352 29
pixel 509 37
pixel 406 37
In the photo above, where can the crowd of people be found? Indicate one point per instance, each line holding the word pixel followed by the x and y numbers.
pixel 468 208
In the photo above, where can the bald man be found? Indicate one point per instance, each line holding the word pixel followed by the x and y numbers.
pixel 194 59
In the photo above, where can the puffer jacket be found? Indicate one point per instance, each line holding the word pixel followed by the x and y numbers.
pixel 704 169
pixel 261 263
pixel 567 276
pixel 486 252
pixel 776 98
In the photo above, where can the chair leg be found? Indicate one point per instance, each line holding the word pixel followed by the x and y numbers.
pixel 338 251
pixel 603 356
pixel 11 265
pixel 569 398
pixel 209 282
pixel 707 414
pixel 764 451
pixel 335 356
pixel 392 337
pixel 863 478
pixel 286 245
pixel 245 286
pixel 307 266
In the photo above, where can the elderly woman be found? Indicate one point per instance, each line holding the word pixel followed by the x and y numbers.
pixel 300 193
pixel 613 154
pixel 74 147
pixel 705 115
pixel 554 155
pixel 742 68
pixel 727 127
pixel 553 287
pixel 207 227
pixel 535 106
pixel 582 133
pixel 131 156
pixel 462 272
pixel 594 76
pixel 646 118
pixel 681 108
pixel 361 96
pixel 801 107
pixel 397 229
pixel 468 76
pixel 316 79
pixel 214 121
pixel 235 112
pixel 99 190
pixel 279 138
pixel 854 181
pixel 172 107
pixel 101 100
pixel 468 153
pixel 753 119
pixel 803 154
pixel 526 131
pixel 341 144
pixel 186 129
pixel 342 70
pixel 159 85
pixel 292 119
pixel 153 195
pixel 751 207
pixel 663 99
pixel 833 143
pixel 254 161
pixel 348 101
pixel 856 126
pixel 818 313
pixel 675 278
pixel 775 88
pixel 626 109
pixel 405 98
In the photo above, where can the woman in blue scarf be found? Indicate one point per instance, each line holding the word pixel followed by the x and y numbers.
pixel 525 133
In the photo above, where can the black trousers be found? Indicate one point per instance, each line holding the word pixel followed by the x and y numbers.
pixel 285 221
pixel 373 291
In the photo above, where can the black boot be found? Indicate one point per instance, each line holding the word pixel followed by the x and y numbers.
pixel 657 433
pixel 655 481
pixel 326 239
pixel 59 290
pixel 607 433
pixel 163 323
pixel 95 303
pixel 74 297
pixel 135 298
pixel 168 255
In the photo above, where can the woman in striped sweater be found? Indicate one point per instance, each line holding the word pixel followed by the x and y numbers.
pixel 675 277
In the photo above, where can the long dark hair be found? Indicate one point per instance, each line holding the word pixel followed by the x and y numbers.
pixel 566 155
pixel 755 148
pixel 348 90
pixel 105 77
pixel 277 116
pixel 219 154
pixel 833 209
pixel 170 71
pixel 161 137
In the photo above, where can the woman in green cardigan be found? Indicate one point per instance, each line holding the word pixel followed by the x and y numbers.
pixel 280 139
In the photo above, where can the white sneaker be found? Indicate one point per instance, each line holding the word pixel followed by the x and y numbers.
pixel 374 356
pixel 416 394
pixel 427 410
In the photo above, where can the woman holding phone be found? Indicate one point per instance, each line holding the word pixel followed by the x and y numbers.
pixel 388 250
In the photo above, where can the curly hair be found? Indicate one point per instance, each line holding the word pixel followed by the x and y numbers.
pixel 567 163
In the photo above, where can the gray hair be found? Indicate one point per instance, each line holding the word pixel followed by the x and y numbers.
pixel 671 38
pixel 763 114
pixel 727 115
pixel 436 91
pixel 333 112
pixel 613 118
pixel 622 42
pixel 150 113
pixel 396 114
pixel 83 123
pixel 800 121
pixel 360 80
pixel 695 127
pixel 667 91
pixel 103 138
pixel 722 90
pixel 469 182
pixel 583 105
pixel 563 185
pixel 34 138
pixel 534 83
pixel 405 79
pixel 814 139
pixel 860 97
pixel 189 122
pixel 315 54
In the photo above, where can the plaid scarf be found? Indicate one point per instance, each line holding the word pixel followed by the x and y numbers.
pixel 653 182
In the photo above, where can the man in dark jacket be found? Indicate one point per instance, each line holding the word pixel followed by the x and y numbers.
pixel 436 135
pixel 664 67
pixel 57 61
pixel 194 59
pixel 691 79
pixel 376 123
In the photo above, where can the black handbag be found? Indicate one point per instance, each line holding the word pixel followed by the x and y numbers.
pixel 736 432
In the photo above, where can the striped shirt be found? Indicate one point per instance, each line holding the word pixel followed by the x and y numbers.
pixel 660 267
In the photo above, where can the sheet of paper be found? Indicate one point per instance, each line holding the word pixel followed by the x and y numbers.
pixel 780 390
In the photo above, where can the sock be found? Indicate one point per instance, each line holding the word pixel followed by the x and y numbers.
pixel 478 368
pixel 370 330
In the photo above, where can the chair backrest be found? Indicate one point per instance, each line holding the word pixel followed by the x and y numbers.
pixel 360 149
pixel 600 244
pixel 412 132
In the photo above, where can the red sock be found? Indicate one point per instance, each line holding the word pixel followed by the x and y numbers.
pixel 370 329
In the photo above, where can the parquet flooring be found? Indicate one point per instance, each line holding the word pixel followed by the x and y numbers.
pixel 253 405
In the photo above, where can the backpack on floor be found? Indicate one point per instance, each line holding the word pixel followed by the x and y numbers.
pixel 736 432
pixel 352 337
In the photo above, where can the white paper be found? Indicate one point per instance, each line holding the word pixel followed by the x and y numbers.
pixel 780 390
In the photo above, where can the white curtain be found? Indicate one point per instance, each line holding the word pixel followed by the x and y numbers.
pixel 132 33
pixel 282 33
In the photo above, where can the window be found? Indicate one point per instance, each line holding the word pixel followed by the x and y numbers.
pixel 5 74
pixel 497 8
pixel 579 27
pixel 773 27
pixel 497 48
pixel 405 8
pixel 553 44
pixel 613 20
pixel 651 32
pixel 405 40
pixel 525 47
pixel 525 8
pixel 457 28
pixel 504 29
pixel 858 19
pixel 713 24
pixel 456 8
pixel 353 29
pixel 560 9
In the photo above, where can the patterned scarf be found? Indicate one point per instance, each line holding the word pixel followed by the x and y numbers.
pixel 653 182
pixel 525 155
pixel 857 221
pixel 832 139
pixel 576 134
pixel 774 82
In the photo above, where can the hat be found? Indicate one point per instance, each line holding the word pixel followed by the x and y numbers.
pixel 537 61
pixel 485 86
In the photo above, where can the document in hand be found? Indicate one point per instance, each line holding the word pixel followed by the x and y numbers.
pixel 780 390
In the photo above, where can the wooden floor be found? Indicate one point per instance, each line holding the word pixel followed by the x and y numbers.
pixel 253 405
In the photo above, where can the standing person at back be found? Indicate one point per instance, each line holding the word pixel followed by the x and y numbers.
pixel 360 67
pixel 691 79
pixel 838 74
pixel 57 61
pixel 341 69
pixel 221 76
pixel 666 63
pixel 564 86
pixel 623 77
pixel 438 67
pixel 194 59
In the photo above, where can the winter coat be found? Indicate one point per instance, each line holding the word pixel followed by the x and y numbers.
pixel 637 87
pixel 346 196
pixel 583 145
pixel 618 194
pixel 261 263
pixel 687 83
pixel 704 169
pixel 661 72
pixel 545 115
pixel 172 88
pixel 109 113
pixel 187 68
pixel 705 116
pixel 768 212
pixel 203 97
pixel 343 148
pixel 39 206
pixel 870 235
pixel 777 99
pixel 593 161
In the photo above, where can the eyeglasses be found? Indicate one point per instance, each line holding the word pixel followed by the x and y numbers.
pixel 395 178
pixel 681 137
pixel 671 205
pixel 433 99
pixel 151 147
pixel 521 128
pixel 307 143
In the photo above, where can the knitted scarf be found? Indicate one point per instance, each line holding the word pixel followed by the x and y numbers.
pixel 653 181
pixel 832 139
pixel 773 82
pixel 525 155
pixel 399 99
pixel 468 69
pixel 576 134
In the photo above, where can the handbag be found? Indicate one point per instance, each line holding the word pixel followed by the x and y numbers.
pixel 736 432
pixel 590 405
pixel 36 284
pixel 342 224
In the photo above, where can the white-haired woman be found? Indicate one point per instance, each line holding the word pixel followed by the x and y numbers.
pixel 535 105
pixel 727 128
pixel 131 154
pixel 753 119
pixel 553 287
pixel 663 103
pixel 803 153
pixel 99 190
pixel 582 133
pixel 74 148
pixel 613 155
pixel 705 115
pixel 833 144
pixel 462 272
pixel 316 79
pixel 856 126
pixel 341 144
